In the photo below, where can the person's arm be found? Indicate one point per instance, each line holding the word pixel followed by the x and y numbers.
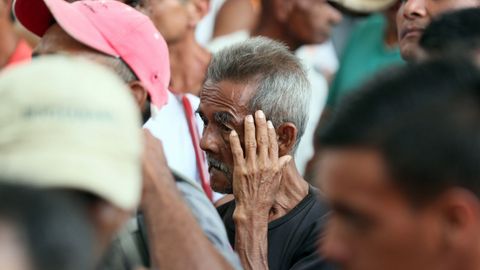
pixel 233 16
pixel 256 181
pixel 175 239
pixel 207 218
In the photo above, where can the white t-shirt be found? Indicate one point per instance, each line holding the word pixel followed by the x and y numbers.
pixel 171 127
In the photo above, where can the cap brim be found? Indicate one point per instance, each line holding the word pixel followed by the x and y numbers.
pixel 38 15
pixel 364 6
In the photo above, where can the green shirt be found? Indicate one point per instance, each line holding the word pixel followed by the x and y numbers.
pixel 364 55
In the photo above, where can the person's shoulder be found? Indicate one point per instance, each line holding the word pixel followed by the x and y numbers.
pixel 317 201
pixel 309 226
pixel 312 208
pixel 194 101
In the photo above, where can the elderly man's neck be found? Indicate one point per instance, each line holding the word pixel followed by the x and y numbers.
pixel 188 63
pixel 292 191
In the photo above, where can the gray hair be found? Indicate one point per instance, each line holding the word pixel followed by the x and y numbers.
pixel 283 90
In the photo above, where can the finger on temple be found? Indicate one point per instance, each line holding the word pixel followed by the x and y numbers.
pixel 262 135
pixel 237 151
pixel 250 139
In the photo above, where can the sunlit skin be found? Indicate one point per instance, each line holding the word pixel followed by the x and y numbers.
pixel 223 107
pixel 413 17
pixel 372 225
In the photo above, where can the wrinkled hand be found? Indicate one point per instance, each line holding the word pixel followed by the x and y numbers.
pixel 155 168
pixel 257 176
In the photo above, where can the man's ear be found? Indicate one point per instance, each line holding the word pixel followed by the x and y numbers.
pixel 197 9
pixel 139 93
pixel 459 211
pixel 287 137
pixel 282 8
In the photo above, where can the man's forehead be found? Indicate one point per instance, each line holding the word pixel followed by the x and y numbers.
pixel 439 7
pixel 227 93
pixel 229 89
pixel 355 171
pixel 357 179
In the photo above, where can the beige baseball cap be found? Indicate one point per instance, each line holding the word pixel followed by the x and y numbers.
pixel 365 6
pixel 69 123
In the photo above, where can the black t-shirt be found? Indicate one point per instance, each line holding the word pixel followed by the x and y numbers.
pixel 293 238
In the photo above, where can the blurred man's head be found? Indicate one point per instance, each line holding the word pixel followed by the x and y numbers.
pixel 70 124
pixel 415 15
pixel 175 19
pixel 44 229
pixel 108 32
pixel 258 74
pixel 456 32
pixel 399 167
pixel 301 21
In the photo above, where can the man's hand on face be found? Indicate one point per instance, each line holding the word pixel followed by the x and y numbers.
pixel 155 168
pixel 257 175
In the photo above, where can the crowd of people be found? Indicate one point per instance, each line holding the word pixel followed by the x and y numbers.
pixel 127 142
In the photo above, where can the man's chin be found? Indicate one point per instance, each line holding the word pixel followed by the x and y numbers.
pixel 411 52
pixel 219 182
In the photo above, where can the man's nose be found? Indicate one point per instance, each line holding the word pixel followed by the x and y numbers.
pixel 209 142
pixel 414 8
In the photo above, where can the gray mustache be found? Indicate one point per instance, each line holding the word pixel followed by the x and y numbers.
pixel 218 165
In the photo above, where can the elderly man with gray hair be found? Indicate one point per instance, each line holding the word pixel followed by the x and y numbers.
pixel 254 106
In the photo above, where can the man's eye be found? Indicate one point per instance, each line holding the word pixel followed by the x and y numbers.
pixel 225 128
pixel 354 221
pixel 359 223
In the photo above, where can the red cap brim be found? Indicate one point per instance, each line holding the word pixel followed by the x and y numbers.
pixel 38 15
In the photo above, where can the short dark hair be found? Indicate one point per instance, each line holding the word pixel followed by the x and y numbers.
pixel 57 231
pixel 453 32
pixel 425 122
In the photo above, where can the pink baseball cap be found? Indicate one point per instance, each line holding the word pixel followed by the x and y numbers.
pixel 110 27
